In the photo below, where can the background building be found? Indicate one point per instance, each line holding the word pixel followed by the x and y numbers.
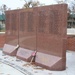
pixel 2 22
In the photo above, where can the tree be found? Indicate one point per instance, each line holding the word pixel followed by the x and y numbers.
pixel 71 3
pixel 3 8
pixel 31 3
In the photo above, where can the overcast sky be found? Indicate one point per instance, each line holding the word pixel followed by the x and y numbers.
pixel 13 4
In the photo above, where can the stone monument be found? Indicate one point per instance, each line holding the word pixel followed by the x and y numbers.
pixel 12 40
pixel 40 32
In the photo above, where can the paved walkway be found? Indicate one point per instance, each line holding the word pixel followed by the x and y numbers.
pixel 13 66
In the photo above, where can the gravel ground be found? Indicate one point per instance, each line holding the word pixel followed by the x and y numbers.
pixel 11 66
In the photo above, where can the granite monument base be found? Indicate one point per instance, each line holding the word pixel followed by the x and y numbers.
pixel 25 54
pixel 10 49
pixel 50 62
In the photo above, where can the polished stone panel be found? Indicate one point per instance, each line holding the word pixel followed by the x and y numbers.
pixel 12 33
pixel 24 54
pixel 51 37
pixel 27 34
pixel 27 29
pixel 49 61
pixel 12 21
pixel 9 50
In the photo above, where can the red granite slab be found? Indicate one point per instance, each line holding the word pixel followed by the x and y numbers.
pixel 24 54
pixel 10 50
pixel 51 36
pixel 11 35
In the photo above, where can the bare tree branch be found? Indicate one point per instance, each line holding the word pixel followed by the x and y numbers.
pixel 32 4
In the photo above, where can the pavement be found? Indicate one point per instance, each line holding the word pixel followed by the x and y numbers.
pixel 10 65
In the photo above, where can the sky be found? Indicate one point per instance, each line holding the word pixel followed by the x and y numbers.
pixel 13 4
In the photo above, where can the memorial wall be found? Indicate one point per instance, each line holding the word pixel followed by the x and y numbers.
pixel 12 22
pixel 27 29
pixel 41 29
pixel 12 33
pixel 51 36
